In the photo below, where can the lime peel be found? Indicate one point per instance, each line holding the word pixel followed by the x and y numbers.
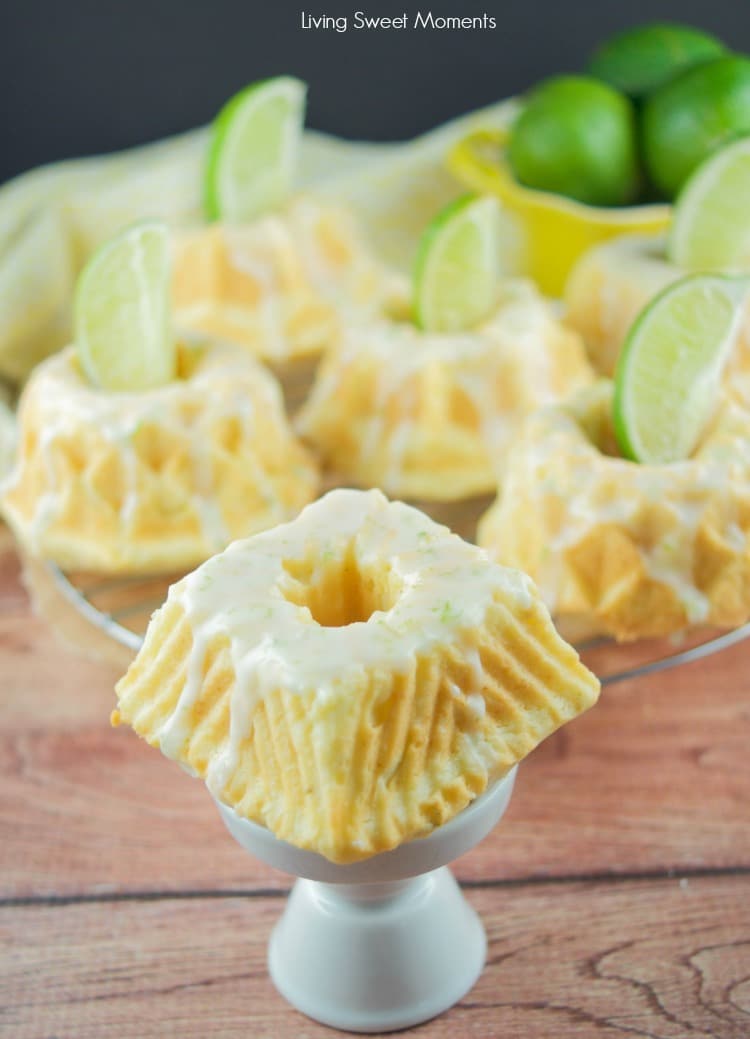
pixel 690 117
pixel 638 61
pixel 121 311
pixel 253 151
pixel 669 372
pixel 576 136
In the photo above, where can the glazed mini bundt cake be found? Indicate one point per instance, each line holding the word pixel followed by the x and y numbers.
pixel 430 415
pixel 630 549
pixel 610 286
pixel 352 679
pixel 280 285
pixel 154 480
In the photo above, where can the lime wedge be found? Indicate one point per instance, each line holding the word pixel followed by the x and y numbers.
pixel 458 266
pixel 668 375
pixel 122 314
pixel 253 149
pixel 711 221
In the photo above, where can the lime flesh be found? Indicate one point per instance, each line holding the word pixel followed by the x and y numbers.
pixel 457 268
pixel 669 373
pixel 253 150
pixel 711 221
pixel 122 312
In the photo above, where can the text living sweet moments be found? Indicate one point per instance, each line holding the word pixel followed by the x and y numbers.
pixel 420 20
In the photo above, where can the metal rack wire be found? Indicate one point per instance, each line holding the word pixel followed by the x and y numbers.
pixel 121 607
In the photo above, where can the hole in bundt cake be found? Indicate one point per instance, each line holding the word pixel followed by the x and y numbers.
pixel 595 421
pixel 338 590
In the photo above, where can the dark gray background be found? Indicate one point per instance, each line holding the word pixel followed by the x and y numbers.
pixel 84 76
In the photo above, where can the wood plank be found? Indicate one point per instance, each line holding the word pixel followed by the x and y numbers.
pixel 12 594
pixel 656 777
pixel 663 958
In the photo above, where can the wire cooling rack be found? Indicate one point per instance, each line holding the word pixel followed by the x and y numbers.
pixel 121 608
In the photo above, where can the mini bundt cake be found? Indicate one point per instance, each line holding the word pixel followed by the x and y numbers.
pixel 610 286
pixel 352 679
pixel 629 549
pixel 280 285
pixel 156 480
pixel 429 415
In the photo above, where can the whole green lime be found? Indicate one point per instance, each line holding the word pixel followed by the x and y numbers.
pixel 576 136
pixel 688 119
pixel 639 61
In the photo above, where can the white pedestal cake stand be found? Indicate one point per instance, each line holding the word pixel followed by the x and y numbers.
pixel 381 944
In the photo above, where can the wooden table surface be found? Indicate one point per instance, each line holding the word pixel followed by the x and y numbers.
pixel 616 892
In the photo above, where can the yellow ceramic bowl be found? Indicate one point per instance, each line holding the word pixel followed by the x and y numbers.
pixel 555 230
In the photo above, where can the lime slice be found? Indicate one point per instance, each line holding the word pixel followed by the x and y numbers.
pixel 458 266
pixel 668 375
pixel 253 150
pixel 121 311
pixel 711 219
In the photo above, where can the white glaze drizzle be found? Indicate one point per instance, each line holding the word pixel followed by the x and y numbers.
pixel 556 459
pixel 446 586
pixel 285 256
pixel 358 288
pixel 67 402
pixel 506 367
pixel 477 704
